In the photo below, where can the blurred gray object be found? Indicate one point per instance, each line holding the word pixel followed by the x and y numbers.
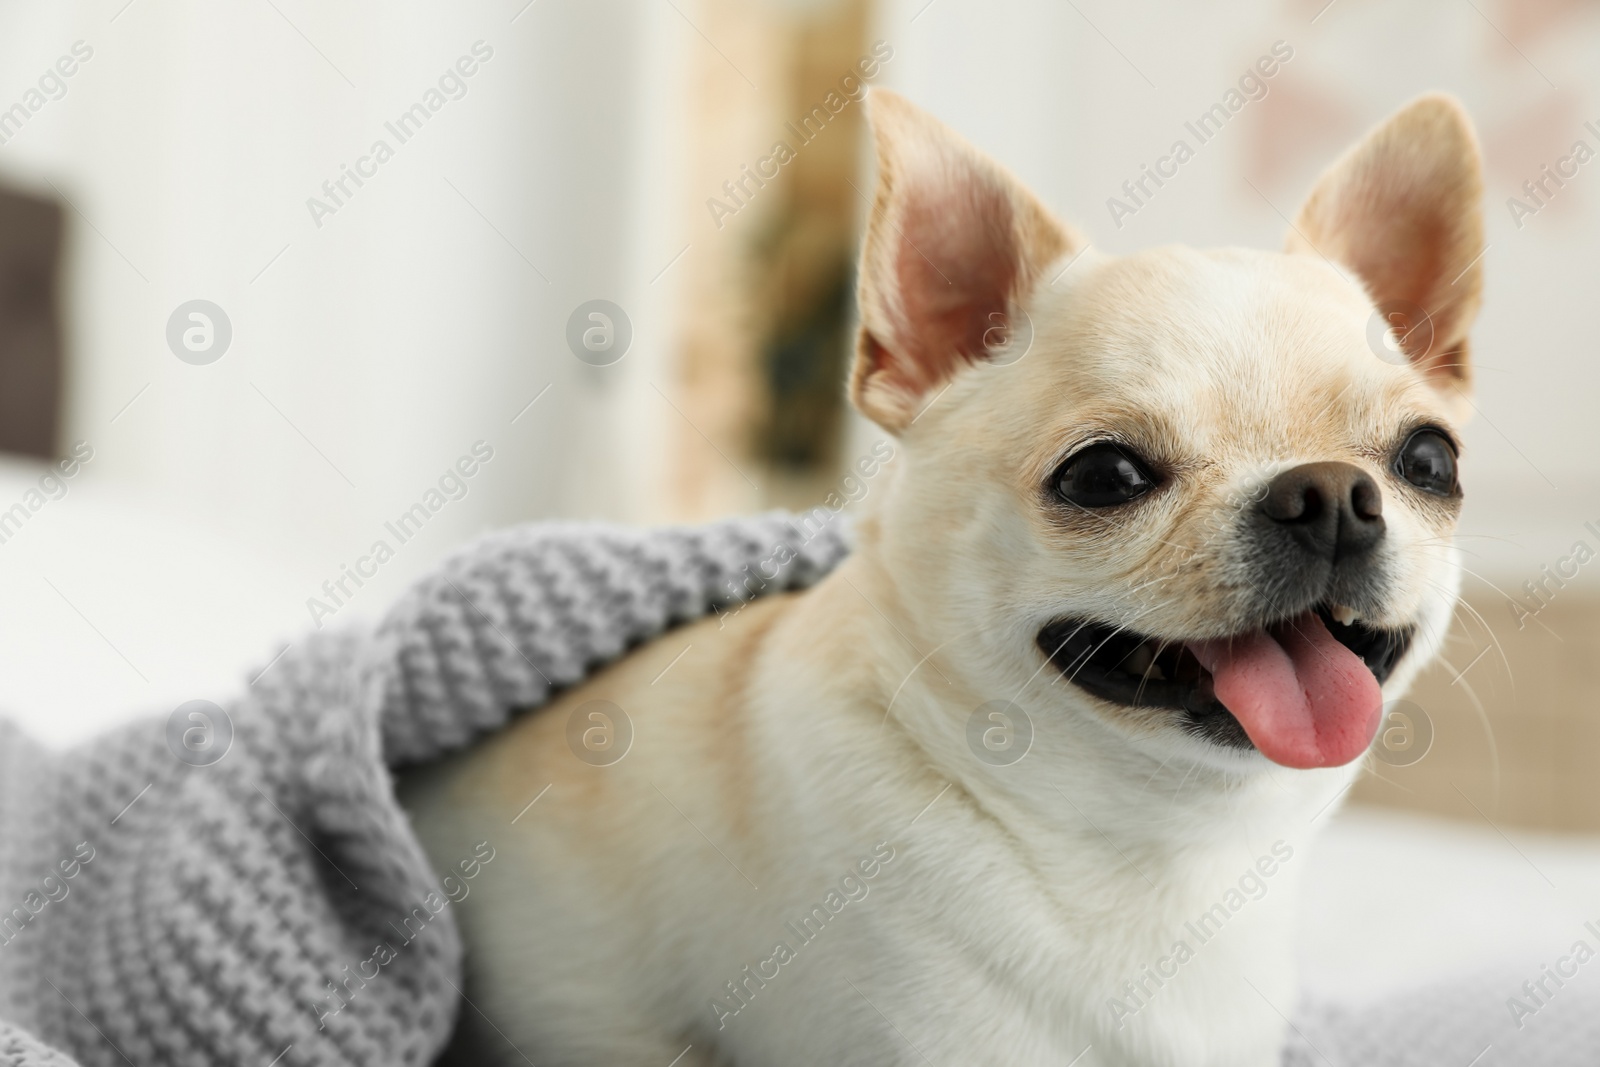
pixel 1487 1020
pixel 30 326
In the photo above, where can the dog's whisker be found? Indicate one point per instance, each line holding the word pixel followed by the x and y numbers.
pixel 1159 768
pixel 1509 599
pixel 1488 726
pixel 1487 629
pixel 896 696
pixel 1144 678
pixel 1178 792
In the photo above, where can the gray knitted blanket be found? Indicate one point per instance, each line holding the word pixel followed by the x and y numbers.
pixel 238 885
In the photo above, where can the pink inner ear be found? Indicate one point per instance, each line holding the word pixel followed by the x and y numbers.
pixel 1407 261
pixel 1403 210
pixel 956 268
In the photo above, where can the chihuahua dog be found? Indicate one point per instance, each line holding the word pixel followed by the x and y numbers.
pixel 1028 779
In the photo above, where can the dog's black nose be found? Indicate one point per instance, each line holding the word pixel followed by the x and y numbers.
pixel 1333 510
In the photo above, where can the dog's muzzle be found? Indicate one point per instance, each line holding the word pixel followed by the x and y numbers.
pixel 1301 681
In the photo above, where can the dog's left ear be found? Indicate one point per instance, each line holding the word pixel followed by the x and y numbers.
pixel 954 242
pixel 1403 210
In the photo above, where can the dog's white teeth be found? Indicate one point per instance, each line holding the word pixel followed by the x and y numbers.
pixel 1344 615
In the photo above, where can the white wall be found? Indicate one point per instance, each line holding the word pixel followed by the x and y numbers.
pixel 405 327
pixel 373 351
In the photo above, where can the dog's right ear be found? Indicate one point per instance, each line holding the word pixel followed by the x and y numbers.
pixel 1404 210
pixel 954 242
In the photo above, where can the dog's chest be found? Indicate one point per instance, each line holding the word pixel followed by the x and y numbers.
pixel 956 957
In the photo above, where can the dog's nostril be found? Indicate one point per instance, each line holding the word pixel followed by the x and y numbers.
pixel 1366 499
pixel 1296 503
pixel 1333 510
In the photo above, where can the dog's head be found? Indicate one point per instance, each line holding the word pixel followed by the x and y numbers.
pixel 1209 488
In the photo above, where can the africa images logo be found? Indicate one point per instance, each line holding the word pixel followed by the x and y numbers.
pixel 451 85
pixel 738 192
pixel 1207 125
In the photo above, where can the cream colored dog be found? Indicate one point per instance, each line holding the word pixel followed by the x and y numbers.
pixel 1027 780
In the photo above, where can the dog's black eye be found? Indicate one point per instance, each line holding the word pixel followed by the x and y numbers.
pixel 1428 461
pixel 1102 476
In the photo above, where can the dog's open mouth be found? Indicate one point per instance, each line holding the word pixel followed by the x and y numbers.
pixel 1303 691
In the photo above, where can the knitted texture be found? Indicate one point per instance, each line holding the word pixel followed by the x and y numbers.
pixel 1464 1021
pixel 523 613
pixel 157 908
pixel 157 911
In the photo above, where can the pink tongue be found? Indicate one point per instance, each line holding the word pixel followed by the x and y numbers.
pixel 1304 699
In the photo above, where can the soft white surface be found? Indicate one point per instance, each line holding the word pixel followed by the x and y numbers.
pixel 114 607
pixel 1394 901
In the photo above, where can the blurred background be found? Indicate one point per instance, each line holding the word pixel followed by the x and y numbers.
pixel 268 269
